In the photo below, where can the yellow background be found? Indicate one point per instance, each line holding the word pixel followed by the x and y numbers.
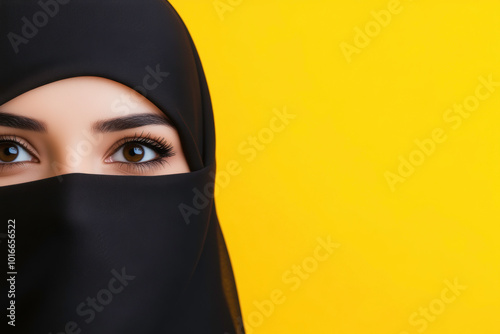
pixel 324 174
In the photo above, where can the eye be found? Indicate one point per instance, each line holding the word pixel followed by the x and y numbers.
pixel 11 152
pixel 140 154
pixel 134 153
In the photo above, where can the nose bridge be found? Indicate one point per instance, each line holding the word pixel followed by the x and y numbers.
pixel 75 155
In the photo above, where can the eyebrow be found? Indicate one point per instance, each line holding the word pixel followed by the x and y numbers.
pixel 130 122
pixel 21 122
pixel 110 125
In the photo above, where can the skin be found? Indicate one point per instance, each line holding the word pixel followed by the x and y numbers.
pixel 68 109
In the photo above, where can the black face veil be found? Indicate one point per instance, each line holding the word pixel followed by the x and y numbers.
pixel 103 253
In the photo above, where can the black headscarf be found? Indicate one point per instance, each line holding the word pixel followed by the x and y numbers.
pixel 107 253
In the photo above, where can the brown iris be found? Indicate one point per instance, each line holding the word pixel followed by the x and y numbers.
pixel 8 152
pixel 133 152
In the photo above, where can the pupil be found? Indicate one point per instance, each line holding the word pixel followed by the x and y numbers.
pixel 8 152
pixel 134 152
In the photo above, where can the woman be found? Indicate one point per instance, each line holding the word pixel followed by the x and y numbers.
pixel 107 162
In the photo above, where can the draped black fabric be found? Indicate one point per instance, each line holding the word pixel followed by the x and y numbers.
pixel 112 253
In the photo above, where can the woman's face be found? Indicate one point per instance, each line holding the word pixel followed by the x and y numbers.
pixel 85 125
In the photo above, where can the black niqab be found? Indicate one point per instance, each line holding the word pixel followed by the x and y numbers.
pixel 108 253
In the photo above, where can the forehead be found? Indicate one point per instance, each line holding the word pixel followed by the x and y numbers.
pixel 82 97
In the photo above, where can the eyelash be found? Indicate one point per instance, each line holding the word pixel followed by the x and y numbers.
pixel 160 145
pixel 16 140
